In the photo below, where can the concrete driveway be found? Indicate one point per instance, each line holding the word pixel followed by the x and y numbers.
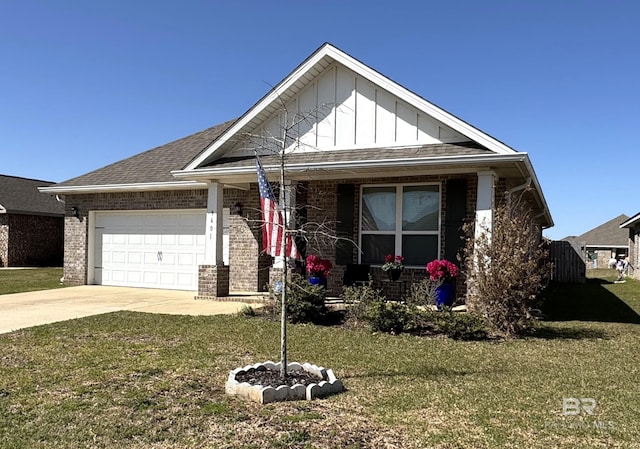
pixel 20 310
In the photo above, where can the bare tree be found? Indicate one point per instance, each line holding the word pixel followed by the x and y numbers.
pixel 284 144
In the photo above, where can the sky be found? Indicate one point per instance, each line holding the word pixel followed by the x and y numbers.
pixel 87 83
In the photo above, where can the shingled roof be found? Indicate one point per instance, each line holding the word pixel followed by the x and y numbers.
pixel 607 234
pixel 152 166
pixel 21 196
pixel 373 154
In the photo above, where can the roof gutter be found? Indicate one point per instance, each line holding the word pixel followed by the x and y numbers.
pixel 148 187
pixel 630 222
pixel 350 165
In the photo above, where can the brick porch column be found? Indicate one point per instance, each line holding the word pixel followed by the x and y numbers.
pixel 213 281
pixel 213 275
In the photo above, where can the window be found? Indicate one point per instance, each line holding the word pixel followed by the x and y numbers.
pixel 400 219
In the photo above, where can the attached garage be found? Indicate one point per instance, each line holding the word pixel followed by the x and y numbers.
pixel 153 219
pixel 153 249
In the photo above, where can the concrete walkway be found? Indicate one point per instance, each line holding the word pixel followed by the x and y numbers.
pixel 20 310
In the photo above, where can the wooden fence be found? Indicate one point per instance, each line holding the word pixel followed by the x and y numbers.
pixel 568 262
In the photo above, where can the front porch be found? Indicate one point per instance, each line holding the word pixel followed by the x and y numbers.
pixel 460 198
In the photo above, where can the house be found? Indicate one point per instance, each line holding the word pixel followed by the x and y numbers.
pixel 31 224
pixel 632 228
pixel 603 242
pixel 379 166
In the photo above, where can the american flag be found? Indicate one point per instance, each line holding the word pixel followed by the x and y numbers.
pixel 273 224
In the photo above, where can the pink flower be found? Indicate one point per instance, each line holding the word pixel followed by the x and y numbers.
pixel 317 266
pixel 442 270
pixel 392 262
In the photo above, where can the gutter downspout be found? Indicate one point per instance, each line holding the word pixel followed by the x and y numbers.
pixel 540 215
pixel 58 199
pixel 509 192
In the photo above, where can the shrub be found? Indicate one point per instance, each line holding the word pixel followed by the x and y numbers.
pixel 463 326
pixel 247 311
pixel 392 318
pixel 367 305
pixel 361 302
pixel 506 268
pixel 423 293
pixel 305 302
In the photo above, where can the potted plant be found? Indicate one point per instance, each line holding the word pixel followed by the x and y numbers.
pixel 444 273
pixel 318 270
pixel 393 266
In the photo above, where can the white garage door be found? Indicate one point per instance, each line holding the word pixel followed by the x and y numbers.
pixel 159 249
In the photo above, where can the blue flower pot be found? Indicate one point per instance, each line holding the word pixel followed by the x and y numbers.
pixel 318 280
pixel 445 295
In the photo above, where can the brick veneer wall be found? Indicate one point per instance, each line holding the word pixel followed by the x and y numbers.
pixel 4 240
pixel 35 240
pixel 213 281
pixel 322 208
pixel 247 271
pixel 634 247
pixel 31 240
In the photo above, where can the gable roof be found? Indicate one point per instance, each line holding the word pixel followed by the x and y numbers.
pixel 21 196
pixel 305 74
pixel 608 234
pixel 148 169
pixel 203 157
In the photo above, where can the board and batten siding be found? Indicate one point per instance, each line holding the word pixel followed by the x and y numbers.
pixel 342 110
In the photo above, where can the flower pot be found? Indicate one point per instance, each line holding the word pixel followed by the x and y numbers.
pixel 394 274
pixel 445 295
pixel 318 280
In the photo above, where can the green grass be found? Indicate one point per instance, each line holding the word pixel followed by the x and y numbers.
pixel 28 280
pixel 139 380
pixel 600 299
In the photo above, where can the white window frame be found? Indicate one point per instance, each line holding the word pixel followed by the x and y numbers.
pixel 398 231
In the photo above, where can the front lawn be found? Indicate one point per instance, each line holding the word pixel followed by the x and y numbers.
pixel 156 381
pixel 29 279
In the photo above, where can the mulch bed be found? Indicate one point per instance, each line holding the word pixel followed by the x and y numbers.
pixel 271 378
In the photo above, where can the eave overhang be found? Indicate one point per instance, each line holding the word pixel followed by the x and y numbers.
pixel 113 188
pixel 633 221
pixel 516 165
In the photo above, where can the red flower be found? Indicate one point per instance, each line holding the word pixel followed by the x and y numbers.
pixel 392 262
pixel 442 270
pixel 317 266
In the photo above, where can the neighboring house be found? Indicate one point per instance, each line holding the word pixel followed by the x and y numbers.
pixel 631 226
pixel 603 242
pixel 373 161
pixel 31 224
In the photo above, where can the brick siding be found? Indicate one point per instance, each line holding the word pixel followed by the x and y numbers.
pixel 322 208
pixel 4 240
pixel 249 270
pixel 31 240
pixel 76 229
